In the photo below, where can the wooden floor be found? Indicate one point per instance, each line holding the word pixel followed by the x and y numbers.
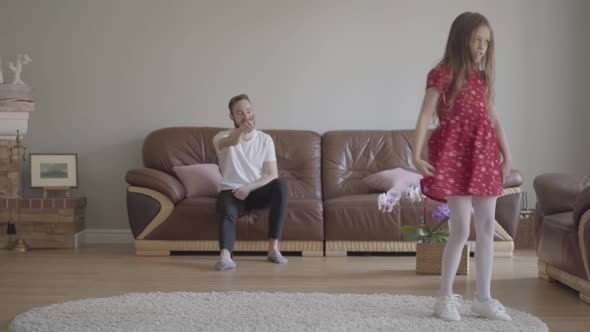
pixel 43 277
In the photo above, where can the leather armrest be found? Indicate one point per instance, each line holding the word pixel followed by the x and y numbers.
pixel 582 204
pixel 158 181
pixel 514 179
pixel 557 192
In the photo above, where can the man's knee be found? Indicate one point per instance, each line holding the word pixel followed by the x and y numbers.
pixel 227 209
pixel 229 214
pixel 281 185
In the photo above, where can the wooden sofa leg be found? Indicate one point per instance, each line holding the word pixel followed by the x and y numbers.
pixel 585 291
pixel 546 277
pixel 542 266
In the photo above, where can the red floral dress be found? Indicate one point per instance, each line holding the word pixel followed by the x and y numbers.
pixel 463 148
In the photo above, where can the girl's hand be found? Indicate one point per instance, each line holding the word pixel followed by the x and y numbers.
pixel 424 167
pixel 506 168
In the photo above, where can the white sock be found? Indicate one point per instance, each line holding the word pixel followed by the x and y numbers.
pixel 460 208
pixel 485 222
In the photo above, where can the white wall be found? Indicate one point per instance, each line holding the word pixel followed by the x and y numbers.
pixel 106 73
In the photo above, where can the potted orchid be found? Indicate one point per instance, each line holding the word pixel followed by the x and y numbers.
pixel 422 233
pixel 430 241
pixel 425 234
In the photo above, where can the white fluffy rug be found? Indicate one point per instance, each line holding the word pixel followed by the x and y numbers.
pixel 257 311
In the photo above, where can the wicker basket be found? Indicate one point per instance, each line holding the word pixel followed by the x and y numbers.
pixel 525 235
pixel 429 258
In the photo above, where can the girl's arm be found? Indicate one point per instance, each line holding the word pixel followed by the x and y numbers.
pixel 428 108
pixel 502 141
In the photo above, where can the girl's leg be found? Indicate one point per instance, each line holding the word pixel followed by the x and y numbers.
pixel 460 208
pixel 485 222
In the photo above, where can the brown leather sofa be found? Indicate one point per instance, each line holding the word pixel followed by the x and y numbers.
pixel 562 230
pixel 352 221
pixel 162 219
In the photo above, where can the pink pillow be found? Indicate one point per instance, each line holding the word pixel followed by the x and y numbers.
pixel 397 178
pixel 199 180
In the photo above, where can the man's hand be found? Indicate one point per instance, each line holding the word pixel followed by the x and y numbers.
pixel 246 127
pixel 242 192
pixel 236 135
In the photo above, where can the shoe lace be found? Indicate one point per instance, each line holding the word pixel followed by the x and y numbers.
pixel 453 302
pixel 497 306
pixel 456 300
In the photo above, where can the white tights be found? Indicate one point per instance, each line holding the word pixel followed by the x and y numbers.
pixel 484 208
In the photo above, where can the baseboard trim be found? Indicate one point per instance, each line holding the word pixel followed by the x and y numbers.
pixel 105 236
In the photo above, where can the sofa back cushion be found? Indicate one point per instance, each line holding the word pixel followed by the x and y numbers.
pixel 166 148
pixel 298 154
pixel 299 161
pixel 349 156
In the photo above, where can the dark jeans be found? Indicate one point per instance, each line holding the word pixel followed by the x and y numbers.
pixel 274 194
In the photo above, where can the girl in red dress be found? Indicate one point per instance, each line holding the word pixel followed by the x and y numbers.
pixel 468 156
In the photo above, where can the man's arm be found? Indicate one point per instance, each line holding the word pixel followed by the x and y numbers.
pixel 270 173
pixel 233 138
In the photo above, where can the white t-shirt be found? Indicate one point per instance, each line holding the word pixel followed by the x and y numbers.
pixel 242 164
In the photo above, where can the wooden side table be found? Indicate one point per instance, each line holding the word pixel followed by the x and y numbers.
pixel 525 235
pixel 45 222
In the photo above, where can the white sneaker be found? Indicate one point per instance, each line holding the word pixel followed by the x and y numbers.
pixel 445 307
pixel 491 309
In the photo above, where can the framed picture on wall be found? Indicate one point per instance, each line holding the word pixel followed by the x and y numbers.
pixel 54 170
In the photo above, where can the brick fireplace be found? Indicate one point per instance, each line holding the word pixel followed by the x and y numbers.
pixel 16 103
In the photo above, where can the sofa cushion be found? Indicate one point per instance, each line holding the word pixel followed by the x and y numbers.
pixel 196 219
pixel 562 221
pixel 397 179
pixel 304 221
pixel 349 156
pixel 356 218
pixel 559 245
pixel 199 180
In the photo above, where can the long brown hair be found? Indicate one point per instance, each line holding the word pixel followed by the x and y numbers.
pixel 458 54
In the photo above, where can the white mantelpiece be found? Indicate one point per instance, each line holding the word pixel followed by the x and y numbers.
pixel 10 122
pixel 16 102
